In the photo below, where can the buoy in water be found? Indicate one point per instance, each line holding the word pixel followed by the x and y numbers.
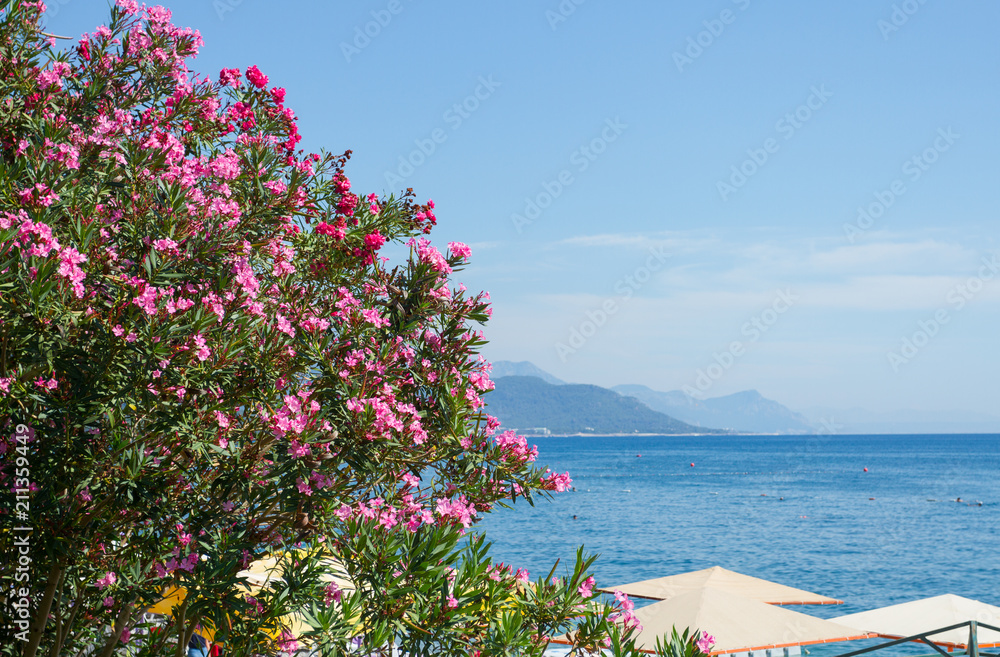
pixel 692 465
pixel 866 469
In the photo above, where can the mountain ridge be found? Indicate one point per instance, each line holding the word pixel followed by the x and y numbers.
pixel 744 411
pixel 748 411
pixel 530 405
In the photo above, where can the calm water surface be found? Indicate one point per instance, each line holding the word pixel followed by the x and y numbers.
pixel 799 510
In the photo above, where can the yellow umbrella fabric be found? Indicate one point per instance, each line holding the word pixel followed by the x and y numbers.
pixel 258 574
pixel 752 588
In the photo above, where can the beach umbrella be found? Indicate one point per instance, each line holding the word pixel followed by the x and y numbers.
pixel 257 575
pixel 737 623
pixel 262 571
pixel 721 579
pixel 921 616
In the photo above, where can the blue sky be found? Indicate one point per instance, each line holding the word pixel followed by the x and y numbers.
pixel 669 193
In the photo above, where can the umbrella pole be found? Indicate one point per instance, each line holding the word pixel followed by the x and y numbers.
pixel 973 640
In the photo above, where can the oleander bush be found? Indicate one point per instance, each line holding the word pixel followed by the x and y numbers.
pixel 205 361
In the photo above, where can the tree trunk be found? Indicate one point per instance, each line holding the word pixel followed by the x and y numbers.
pixel 124 617
pixel 42 615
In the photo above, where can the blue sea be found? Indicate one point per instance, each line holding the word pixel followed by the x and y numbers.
pixel 799 510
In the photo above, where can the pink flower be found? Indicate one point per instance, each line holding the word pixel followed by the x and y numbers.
pixel 374 241
pixel 256 78
pixel 202 352
pixel 85 495
pixel 459 509
pixel 147 300
pixel 257 607
pixel 246 278
pixel 331 593
pixel 705 643
pixel 158 14
pixel 286 641
pixel 109 601
pixel 51 384
pixel 430 255
pixel 285 326
pixel 587 588
pixel 328 229
pixel 298 450
pixel 625 616
pixel 69 267
pixel 128 6
pixel 229 76
pixel 374 318
pixel 54 77
pixel 452 602
pixel 557 482
pixel 166 245
pixel 459 249
pixel 108 580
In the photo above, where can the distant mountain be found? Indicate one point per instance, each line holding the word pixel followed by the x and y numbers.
pixel 503 368
pixel 746 411
pixel 531 405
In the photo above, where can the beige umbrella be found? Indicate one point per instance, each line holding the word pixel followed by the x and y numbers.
pixel 920 616
pixel 738 624
pixel 753 588
pixel 267 569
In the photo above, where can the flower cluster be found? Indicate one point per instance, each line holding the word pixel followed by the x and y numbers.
pixel 199 321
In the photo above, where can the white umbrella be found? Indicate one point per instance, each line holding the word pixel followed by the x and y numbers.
pixel 920 616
